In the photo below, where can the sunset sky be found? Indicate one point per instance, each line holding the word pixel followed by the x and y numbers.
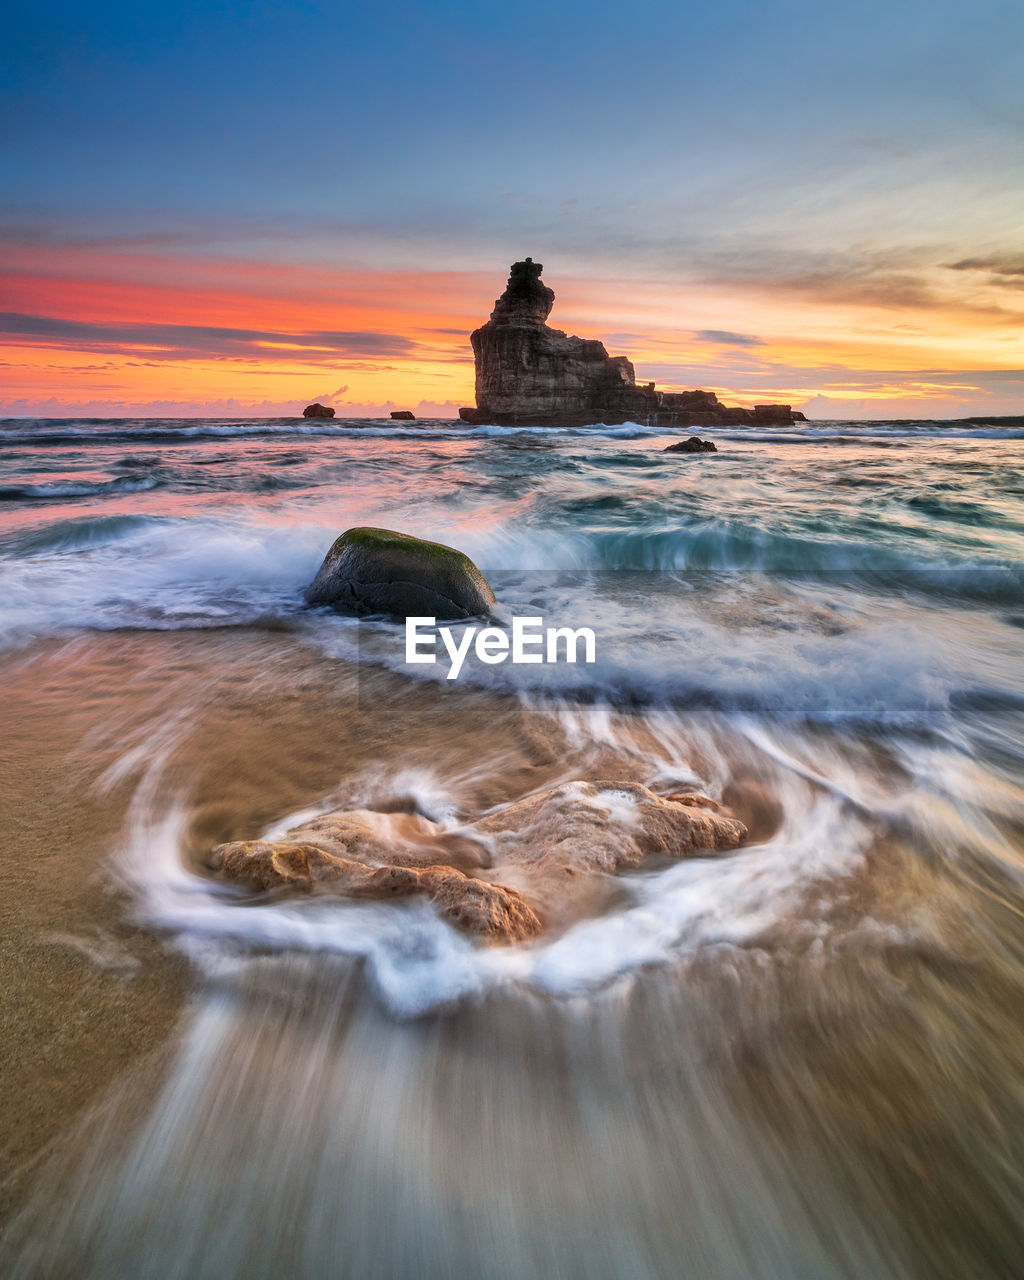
pixel 239 207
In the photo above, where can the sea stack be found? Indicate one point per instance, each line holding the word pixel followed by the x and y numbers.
pixel 528 374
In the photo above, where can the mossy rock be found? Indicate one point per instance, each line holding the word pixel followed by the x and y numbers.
pixel 380 571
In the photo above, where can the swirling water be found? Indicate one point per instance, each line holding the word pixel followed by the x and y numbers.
pixel 803 1059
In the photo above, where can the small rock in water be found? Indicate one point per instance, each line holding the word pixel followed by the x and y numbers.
pixel 380 571
pixel 318 410
pixel 692 445
pixel 403 415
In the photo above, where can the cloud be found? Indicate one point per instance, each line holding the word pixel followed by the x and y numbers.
pixel 877 278
pixel 1000 264
pixel 724 338
pixel 190 342
pixel 627 339
pixel 1003 269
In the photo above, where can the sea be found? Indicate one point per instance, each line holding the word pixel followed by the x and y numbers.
pixel 804 1058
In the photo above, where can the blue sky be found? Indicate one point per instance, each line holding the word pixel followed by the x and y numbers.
pixel 832 157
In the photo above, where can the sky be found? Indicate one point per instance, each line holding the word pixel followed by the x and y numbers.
pixel 236 208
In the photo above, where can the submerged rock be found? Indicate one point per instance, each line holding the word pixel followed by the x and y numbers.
pixel 363 854
pixel 540 861
pixel 532 375
pixel 318 410
pixel 371 570
pixel 693 445
pixel 487 911
pixel 561 847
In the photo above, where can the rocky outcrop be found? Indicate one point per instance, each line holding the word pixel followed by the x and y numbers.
pixel 379 571
pixel 777 413
pixel 488 911
pixel 403 415
pixel 694 444
pixel 531 375
pixel 562 848
pixel 539 862
pixel 318 410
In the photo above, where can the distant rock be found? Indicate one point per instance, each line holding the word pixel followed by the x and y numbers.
pixel 528 374
pixel 693 445
pixel 318 411
pixel 538 862
pixel 403 415
pixel 780 414
pixel 380 571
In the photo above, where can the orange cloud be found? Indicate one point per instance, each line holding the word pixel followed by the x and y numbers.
pixel 97 324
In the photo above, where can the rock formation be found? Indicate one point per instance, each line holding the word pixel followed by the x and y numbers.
pixel 403 415
pixel 362 854
pixel 528 374
pixel 380 571
pixel 318 410
pixel 693 444
pixel 539 862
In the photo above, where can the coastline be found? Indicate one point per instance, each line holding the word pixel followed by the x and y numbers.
pixel 820 1028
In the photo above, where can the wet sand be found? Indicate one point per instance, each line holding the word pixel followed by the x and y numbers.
pixel 268 727
pixel 84 995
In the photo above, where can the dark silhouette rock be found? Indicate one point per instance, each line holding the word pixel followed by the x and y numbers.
pixel 693 445
pixel 318 410
pixel 776 414
pixel 692 401
pixel 528 374
pixel 403 415
pixel 380 571
pixel 525 300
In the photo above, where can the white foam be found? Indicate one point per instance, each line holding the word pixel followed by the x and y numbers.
pixel 416 962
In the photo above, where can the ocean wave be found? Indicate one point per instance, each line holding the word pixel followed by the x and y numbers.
pixel 156 431
pixel 58 430
pixel 717 546
pixel 79 534
pixel 854 432
pixel 679 618
pixel 880 675
pixel 48 491
pixel 156 572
